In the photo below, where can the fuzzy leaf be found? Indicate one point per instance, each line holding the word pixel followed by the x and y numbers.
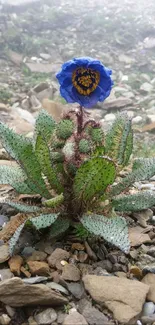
pixel 14 239
pixel 93 177
pixel 43 155
pixel 21 149
pixel 54 202
pixel 59 226
pixel 44 125
pixel 44 220
pixel 23 207
pixel 134 202
pixel 114 230
pixel 143 169
pixel 119 140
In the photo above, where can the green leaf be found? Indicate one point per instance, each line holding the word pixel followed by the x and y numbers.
pixel 59 226
pixel 143 169
pixel 45 125
pixel 93 177
pixel 134 202
pixel 43 156
pixel 65 129
pixel 114 230
pixel 23 207
pixel 54 202
pixel 99 151
pixel 21 149
pixel 119 140
pixel 44 220
pixel 14 239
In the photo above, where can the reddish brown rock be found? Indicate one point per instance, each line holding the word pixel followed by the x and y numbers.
pixel 38 268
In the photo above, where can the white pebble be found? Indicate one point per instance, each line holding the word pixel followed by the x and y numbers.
pixel 148 309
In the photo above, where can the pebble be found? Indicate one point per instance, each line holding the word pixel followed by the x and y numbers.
pixel 56 286
pixel 71 273
pixel 5 319
pixel 5 274
pixel 47 316
pixel 4 253
pixel 77 289
pixel 136 120
pixel 56 257
pixel 74 318
pixel 32 321
pixel 15 264
pixel 36 279
pixel 148 309
pixel 109 117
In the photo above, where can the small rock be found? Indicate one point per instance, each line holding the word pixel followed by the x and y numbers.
pixel 56 257
pixel 47 316
pixel 56 286
pixel 5 274
pixel 15 264
pixel 32 321
pixel 148 319
pixel 25 272
pixel 91 314
pixel 149 279
pixel 25 104
pixel 36 279
pixel 151 251
pixel 148 309
pixel 90 252
pixel 151 118
pixel 117 103
pixel 146 87
pixel 37 256
pixel 5 319
pixel 137 120
pixel 40 87
pixel 109 117
pixel 77 289
pixel 78 247
pixel 74 318
pixel 27 251
pixel 10 311
pixel 38 268
pixel 105 265
pixel 71 273
pixel 126 59
pixel 149 268
pixel 3 107
pixel 125 298
pixel 45 56
pixel 4 253
pixel 43 68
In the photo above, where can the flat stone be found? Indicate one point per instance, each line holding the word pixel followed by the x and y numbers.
pixel 56 286
pixel 45 56
pixel 38 268
pixel 15 57
pixel 43 68
pixel 125 298
pixel 91 314
pixel 15 264
pixel 15 293
pixel 74 318
pixel 149 279
pixel 146 87
pixel 4 107
pixel 117 103
pixel 35 279
pixel 56 110
pixel 4 253
pixel 71 273
pixel 5 274
pixel 148 319
pixel 57 256
pixel 77 289
pixel 32 321
pixel 47 316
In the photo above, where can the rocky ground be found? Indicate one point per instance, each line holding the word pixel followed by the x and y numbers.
pixel 78 281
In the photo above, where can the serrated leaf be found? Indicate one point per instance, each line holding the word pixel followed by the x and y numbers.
pixel 143 169
pixel 23 207
pixel 114 230
pixel 59 226
pixel 43 155
pixel 134 202
pixel 119 140
pixel 14 239
pixel 44 220
pixel 21 149
pixel 93 177
pixel 45 125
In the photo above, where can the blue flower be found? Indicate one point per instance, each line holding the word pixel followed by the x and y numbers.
pixel 85 81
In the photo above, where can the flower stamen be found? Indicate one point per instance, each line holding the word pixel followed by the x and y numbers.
pixel 85 80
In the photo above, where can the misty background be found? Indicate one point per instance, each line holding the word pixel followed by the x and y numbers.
pixel 36 37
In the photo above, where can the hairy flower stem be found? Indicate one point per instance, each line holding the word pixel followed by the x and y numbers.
pixel 80 120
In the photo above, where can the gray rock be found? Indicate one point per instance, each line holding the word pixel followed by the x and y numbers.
pixel 137 120
pixel 43 68
pixel 15 293
pixel 109 117
pixel 56 286
pixel 148 309
pixel 148 319
pixel 74 318
pixel 45 56
pixel 77 289
pixel 35 279
pixel 91 314
pixel 5 274
pixel 117 103
pixel 47 316
pixel 146 87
